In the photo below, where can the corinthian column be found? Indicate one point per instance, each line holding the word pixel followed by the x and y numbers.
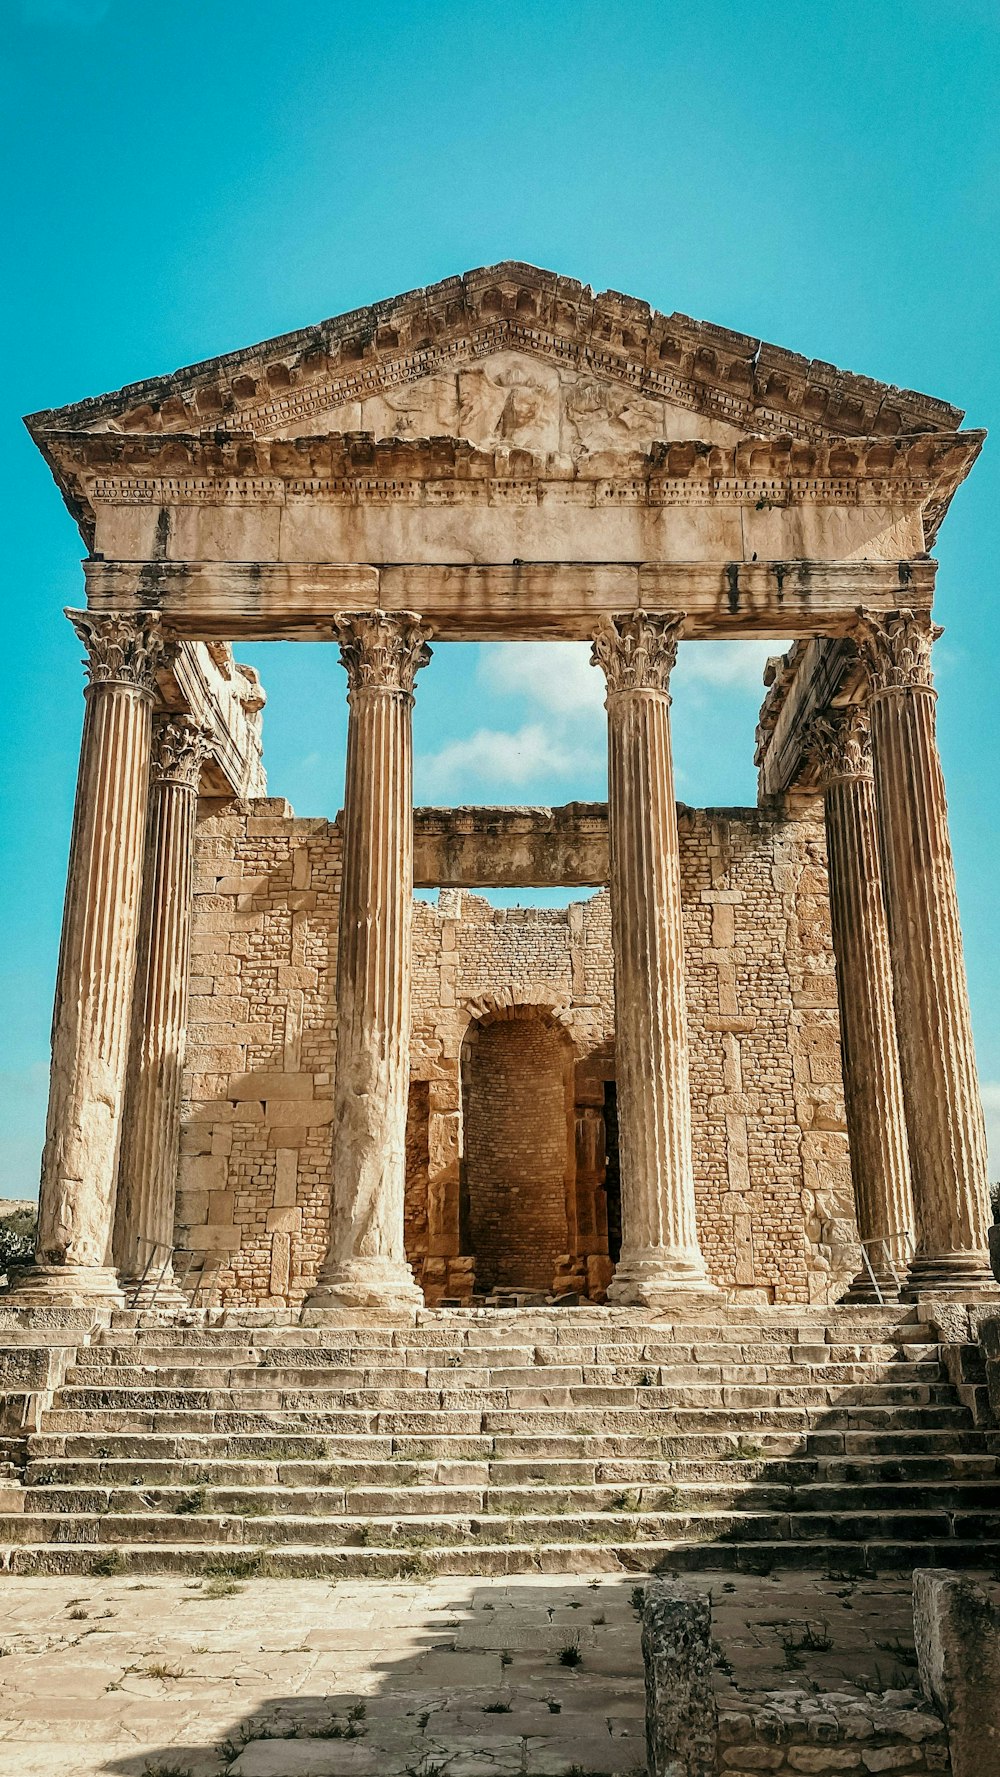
pixel 660 1252
pixel 873 1089
pixel 147 1172
pixel 97 961
pixel 365 1263
pixel 940 1087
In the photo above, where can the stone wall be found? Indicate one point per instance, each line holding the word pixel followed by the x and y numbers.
pixel 517 1106
pixel 770 1154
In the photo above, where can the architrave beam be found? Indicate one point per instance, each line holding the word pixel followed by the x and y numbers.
pixel 520 601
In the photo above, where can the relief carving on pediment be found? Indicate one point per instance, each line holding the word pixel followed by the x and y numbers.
pixel 520 401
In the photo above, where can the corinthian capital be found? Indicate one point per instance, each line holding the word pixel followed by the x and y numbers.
pixel 123 647
pixel 637 651
pixel 179 748
pixel 896 649
pixel 382 650
pixel 840 745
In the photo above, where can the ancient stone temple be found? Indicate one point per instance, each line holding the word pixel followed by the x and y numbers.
pixel 256 1041
pixel 733 1079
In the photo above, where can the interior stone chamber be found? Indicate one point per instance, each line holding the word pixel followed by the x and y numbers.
pixel 510 1184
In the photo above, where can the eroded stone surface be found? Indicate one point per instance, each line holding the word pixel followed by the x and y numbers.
pixel 160 1674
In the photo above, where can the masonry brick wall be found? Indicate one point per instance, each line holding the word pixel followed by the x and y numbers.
pixel 770 1152
pixel 518 1073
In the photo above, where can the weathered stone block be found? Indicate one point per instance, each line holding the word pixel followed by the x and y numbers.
pixel 957 1633
pixel 681 1711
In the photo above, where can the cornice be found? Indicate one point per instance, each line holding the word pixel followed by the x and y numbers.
pixel 711 370
pixel 354 468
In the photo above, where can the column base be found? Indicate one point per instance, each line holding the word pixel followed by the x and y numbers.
pixel 955 1272
pixel 657 1275
pixel 65 1286
pixel 365 1283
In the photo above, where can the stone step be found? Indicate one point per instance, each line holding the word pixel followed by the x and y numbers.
pixel 394 1358
pixel 320 1444
pixel 518 1335
pixel 499 1471
pixel 672 1346
pixel 395 1473
pixel 933 1403
pixel 539 1530
pixel 410 1378
pixel 420 1500
pixel 807 1397
pixel 841 1559
pixel 859 1473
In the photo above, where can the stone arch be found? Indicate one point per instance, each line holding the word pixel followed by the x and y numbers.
pixel 518 1165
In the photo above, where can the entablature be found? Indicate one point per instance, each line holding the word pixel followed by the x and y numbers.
pixel 351 496
pixel 524 601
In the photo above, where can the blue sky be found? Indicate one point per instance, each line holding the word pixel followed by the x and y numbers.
pixel 189 178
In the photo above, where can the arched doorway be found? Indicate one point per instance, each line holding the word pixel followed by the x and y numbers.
pixel 518 1161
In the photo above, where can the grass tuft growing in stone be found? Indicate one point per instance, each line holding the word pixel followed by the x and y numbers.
pixel 191 1504
pixel 238 1567
pixel 220 1587
pixel 107 1565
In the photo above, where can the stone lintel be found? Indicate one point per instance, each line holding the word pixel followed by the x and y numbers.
pixel 520 601
pixel 511 847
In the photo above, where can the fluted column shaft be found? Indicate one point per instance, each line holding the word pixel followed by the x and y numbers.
pixel 940 1084
pixel 366 1260
pixel 873 1089
pixel 97 962
pixel 147 1173
pixel 660 1252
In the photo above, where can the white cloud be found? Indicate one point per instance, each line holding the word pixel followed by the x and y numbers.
pixel 556 675
pixel 736 665
pixel 559 677
pixel 990 1092
pixel 563 733
pixel 499 758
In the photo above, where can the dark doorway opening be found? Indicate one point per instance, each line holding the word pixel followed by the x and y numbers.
pixel 612 1176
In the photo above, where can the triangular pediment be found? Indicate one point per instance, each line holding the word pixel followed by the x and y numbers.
pixel 512 355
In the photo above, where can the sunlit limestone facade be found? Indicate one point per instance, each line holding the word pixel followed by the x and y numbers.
pixel 508 456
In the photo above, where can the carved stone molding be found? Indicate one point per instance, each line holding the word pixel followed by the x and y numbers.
pixel 896 649
pixel 382 651
pixel 123 648
pixel 513 306
pixel 179 748
pixel 638 651
pixel 841 746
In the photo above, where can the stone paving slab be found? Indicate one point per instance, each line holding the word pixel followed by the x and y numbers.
pixel 451 1677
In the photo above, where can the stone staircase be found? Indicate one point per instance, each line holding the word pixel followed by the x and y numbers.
pixel 492 1441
